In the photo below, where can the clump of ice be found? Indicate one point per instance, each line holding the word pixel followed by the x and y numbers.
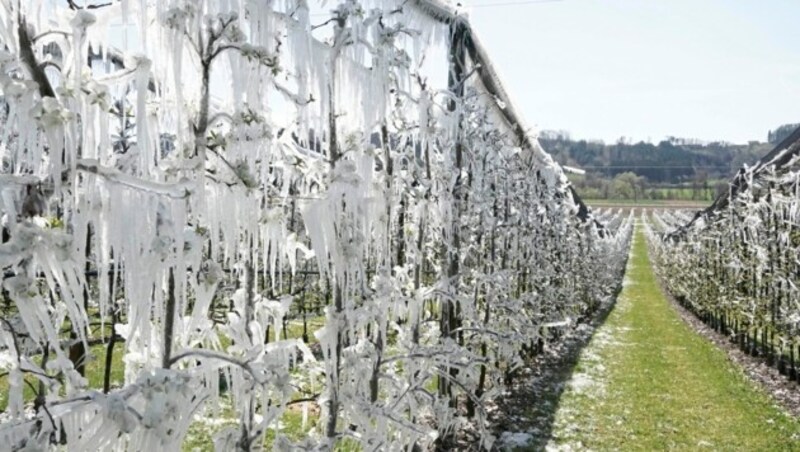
pixel 512 440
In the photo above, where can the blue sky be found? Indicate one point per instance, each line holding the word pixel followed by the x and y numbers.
pixel 645 69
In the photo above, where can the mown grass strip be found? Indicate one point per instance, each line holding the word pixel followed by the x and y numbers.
pixel 648 382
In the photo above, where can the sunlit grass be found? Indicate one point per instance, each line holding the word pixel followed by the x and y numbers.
pixel 95 372
pixel 657 385
pixel 201 433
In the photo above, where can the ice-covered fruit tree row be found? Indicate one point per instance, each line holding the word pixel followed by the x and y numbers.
pixel 735 264
pixel 184 183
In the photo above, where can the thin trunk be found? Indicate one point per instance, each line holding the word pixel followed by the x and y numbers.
pixel 449 320
pixel 169 321
pixel 338 294
pixel 248 415
pixel 112 341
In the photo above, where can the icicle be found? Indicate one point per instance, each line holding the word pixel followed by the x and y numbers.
pixel 143 65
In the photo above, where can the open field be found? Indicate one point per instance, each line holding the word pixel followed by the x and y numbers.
pixel 663 204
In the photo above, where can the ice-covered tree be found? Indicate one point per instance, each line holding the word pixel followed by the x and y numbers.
pixel 225 166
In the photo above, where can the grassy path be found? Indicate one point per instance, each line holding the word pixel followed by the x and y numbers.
pixel 647 382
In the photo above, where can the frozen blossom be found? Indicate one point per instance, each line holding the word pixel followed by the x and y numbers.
pixel 232 172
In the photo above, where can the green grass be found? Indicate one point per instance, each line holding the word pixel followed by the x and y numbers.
pixel 662 194
pixel 654 384
pixel 684 193
pixel 95 371
pixel 200 436
pixel 645 202
pixel 294 328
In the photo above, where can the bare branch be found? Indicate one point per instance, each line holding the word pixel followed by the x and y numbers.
pixel 178 190
pixel 74 6
pixel 28 58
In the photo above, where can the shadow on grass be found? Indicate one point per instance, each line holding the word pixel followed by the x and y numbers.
pixel 530 405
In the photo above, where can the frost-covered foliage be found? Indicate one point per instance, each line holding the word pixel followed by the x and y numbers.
pixel 189 191
pixel 735 265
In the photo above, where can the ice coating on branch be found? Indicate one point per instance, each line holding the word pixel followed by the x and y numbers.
pixel 240 172
pixel 747 235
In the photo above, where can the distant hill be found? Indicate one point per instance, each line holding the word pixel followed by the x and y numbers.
pixel 675 168
pixel 777 135
pixel 672 161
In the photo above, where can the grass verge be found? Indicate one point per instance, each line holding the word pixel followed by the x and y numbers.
pixel 648 382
